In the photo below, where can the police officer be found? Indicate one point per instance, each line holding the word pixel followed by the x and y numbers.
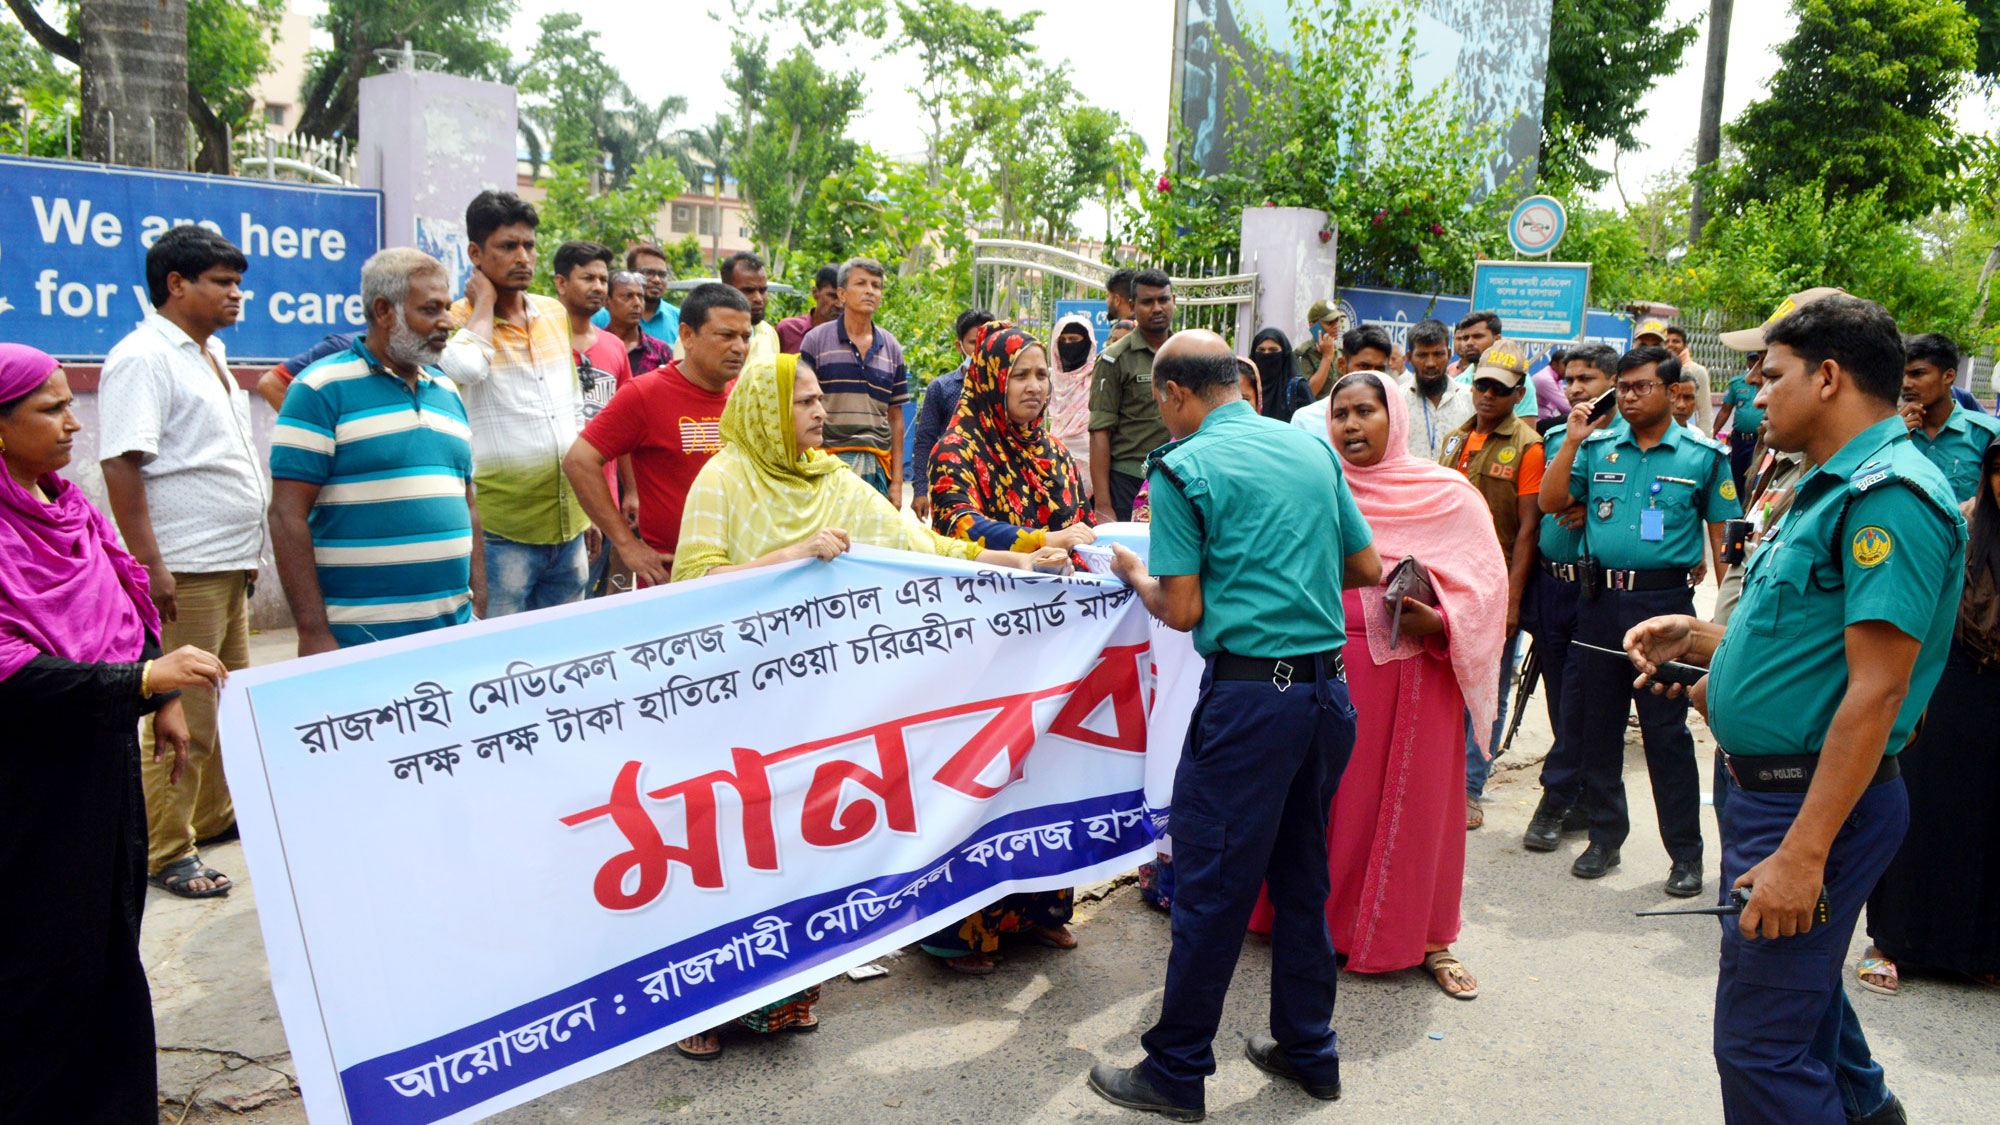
pixel 1548 613
pixel 1647 492
pixel 1847 613
pixel 1272 726
pixel 1954 438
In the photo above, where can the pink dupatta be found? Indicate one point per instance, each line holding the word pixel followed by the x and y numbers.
pixel 1423 509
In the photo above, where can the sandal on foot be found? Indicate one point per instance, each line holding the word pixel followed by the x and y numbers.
pixel 700 1056
pixel 1877 967
pixel 1055 937
pixel 1447 970
pixel 971 965
pixel 811 1023
pixel 175 877
pixel 1474 814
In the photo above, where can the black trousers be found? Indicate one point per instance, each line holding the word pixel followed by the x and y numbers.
pixel 1124 490
pixel 1606 698
pixel 1252 795
pixel 1549 615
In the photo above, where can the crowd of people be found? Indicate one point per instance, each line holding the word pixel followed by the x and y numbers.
pixel 506 451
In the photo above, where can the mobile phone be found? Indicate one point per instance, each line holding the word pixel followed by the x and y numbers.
pixel 1603 406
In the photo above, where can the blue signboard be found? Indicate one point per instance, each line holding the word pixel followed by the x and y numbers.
pixel 1535 300
pixel 73 241
pixel 1395 311
pixel 1090 310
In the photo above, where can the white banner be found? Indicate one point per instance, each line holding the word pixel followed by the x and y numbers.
pixel 501 858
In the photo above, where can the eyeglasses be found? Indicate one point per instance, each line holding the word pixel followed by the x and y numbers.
pixel 586 374
pixel 1640 389
pixel 655 275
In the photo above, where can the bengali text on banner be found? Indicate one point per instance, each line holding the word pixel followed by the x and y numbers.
pixel 509 856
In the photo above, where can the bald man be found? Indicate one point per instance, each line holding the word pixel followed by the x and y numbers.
pixel 1257 775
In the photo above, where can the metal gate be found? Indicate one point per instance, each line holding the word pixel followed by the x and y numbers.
pixel 1022 281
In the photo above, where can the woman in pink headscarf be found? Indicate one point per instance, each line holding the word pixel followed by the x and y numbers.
pixel 79 664
pixel 1073 357
pixel 1396 837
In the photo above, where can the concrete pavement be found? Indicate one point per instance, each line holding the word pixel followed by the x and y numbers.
pixel 1584 1014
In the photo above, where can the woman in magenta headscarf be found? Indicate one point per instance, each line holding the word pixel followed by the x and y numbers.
pixel 1396 837
pixel 79 664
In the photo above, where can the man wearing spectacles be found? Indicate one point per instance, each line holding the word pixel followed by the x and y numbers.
pixel 660 320
pixel 1648 492
pixel 583 282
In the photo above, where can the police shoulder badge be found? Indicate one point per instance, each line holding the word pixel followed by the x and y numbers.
pixel 1728 489
pixel 1505 455
pixel 1872 546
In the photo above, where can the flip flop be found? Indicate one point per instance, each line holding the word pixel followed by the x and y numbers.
pixel 699 1056
pixel 175 877
pixel 1053 937
pixel 1880 967
pixel 1440 964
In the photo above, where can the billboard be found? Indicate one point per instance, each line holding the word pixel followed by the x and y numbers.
pixel 74 236
pixel 1497 50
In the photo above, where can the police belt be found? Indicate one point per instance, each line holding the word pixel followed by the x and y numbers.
pixel 1281 671
pixel 1563 572
pixel 1789 773
pixel 1634 581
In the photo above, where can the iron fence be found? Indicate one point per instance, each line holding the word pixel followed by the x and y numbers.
pixel 1022 281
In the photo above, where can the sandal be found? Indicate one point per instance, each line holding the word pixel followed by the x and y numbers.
pixel 1882 968
pixel 811 1023
pixel 970 964
pixel 1055 937
pixel 1474 814
pixel 1449 970
pixel 175 877
pixel 710 1055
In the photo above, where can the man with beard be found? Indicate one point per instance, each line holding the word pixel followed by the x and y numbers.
pixel 744 272
pixel 374 431
pixel 1439 404
pixel 668 423
pixel 625 308
pixel 1478 331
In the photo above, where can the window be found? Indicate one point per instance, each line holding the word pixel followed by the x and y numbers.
pixel 683 218
pixel 274 114
pixel 707 225
pixel 743 232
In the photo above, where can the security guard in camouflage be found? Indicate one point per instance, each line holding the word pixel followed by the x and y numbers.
pixel 1818 681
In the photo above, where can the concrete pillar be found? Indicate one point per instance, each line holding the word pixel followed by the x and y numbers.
pixel 1294 268
pixel 431 142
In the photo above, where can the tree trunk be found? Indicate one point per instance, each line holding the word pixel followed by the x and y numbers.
pixel 1708 140
pixel 135 82
pixel 715 236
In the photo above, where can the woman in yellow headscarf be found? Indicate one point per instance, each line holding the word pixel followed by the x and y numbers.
pixel 772 495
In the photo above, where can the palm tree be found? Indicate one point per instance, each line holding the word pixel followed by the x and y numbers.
pixel 635 132
pixel 708 153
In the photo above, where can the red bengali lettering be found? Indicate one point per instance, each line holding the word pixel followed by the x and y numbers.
pixel 826 824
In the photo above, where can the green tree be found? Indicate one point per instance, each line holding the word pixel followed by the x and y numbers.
pixel 467 33
pixel 576 209
pixel 575 90
pixel 710 151
pixel 797 141
pixel 1604 55
pixel 957 45
pixel 45 101
pixel 1862 99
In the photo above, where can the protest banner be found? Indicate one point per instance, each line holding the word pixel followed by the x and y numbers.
pixel 504 857
pixel 73 242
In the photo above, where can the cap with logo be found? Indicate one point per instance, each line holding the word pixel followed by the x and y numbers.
pixel 1322 310
pixel 1752 339
pixel 1505 362
pixel 1651 327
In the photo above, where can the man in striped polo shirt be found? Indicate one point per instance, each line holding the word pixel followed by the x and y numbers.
pixel 373 516
pixel 860 367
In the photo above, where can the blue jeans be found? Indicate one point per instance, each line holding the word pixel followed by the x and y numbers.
pixel 526 576
pixel 1252 794
pixel 1477 766
pixel 1787 1045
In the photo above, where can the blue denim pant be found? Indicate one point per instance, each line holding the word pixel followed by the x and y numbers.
pixel 1787 1044
pixel 1477 766
pixel 525 576
pixel 1252 794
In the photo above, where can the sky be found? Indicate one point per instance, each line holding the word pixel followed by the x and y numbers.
pixel 1120 55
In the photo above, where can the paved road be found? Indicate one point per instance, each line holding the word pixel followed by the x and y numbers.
pixel 1584 1014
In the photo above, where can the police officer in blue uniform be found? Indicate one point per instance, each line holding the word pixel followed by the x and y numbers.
pixel 1272 727
pixel 1813 688
pixel 1648 492
pixel 1549 615
pixel 1954 438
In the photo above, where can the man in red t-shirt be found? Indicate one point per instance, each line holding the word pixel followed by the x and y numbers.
pixel 669 423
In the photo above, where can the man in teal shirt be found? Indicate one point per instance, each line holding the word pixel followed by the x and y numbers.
pixel 1273 726
pixel 1826 665
pixel 1954 438
pixel 1647 495
pixel 1741 417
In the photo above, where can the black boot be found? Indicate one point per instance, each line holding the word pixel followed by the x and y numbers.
pixel 1263 1051
pixel 1123 1086
pixel 1545 829
pixel 1594 862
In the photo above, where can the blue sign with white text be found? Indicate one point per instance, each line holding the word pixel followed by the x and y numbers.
pixel 73 241
pixel 1395 311
pixel 1535 300
pixel 1093 311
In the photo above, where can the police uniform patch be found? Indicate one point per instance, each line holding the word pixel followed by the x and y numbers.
pixel 1505 455
pixel 1500 472
pixel 1872 545
pixel 1611 458
pixel 1728 490
pixel 1604 508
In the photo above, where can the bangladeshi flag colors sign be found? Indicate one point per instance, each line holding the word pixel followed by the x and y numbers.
pixel 509 856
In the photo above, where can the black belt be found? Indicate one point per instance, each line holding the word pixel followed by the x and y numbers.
pixel 1563 572
pixel 1282 671
pixel 1790 773
pixel 1638 580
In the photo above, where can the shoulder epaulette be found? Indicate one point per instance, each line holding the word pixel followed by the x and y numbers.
pixel 1601 435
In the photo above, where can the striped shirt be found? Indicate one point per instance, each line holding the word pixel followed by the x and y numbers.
pixel 860 390
pixel 391 530
pixel 521 396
